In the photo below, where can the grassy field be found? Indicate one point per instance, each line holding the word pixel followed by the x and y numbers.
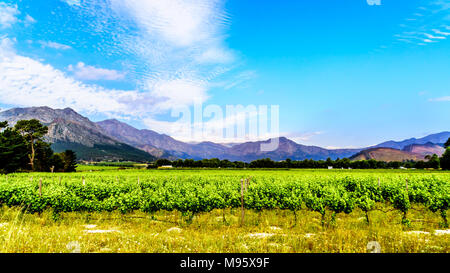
pixel 220 230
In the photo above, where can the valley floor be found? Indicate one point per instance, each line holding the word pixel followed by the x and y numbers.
pixel 268 231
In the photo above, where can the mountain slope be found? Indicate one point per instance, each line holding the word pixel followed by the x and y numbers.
pixel 131 136
pixel 70 130
pixel 237 152
pixel 433 138
pixel 425 149
pixel 287 149
pixel 115 140
pixel 147 139
pixel 386 154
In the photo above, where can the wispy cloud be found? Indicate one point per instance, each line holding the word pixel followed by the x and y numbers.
pixel 179 43
pixel 54 45
pixel 219 128
pixel 240 78
pixel 302 137
pixel 437 31
pixel 28 82
pixel 72 2
pixel 445 98
pixel 86 72
pixel 173 50
pixel 8 15
pixel 29 20
pixel 427 26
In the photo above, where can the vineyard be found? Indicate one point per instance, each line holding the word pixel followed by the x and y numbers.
pixel 191 192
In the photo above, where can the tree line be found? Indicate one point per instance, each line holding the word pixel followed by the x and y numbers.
pixel 431 162
pixel 22 148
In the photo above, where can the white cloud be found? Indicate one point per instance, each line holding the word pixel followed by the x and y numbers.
pixel 344 147
pixel 179 45
pixel 173 93
pixel 91 73
pixel 179 22
pixel 54 45
pixel 445 98
pixel 302 137
pixel 440 5
pixel 72 2
pixel 240 78
pixel 6 46
pixel 8 15
pixel 215 55
pixel 429 20
pixel 437 31
pixel 27 82
pixel 434 37
pixel 174 49
pixel 29 20
pixel 191 128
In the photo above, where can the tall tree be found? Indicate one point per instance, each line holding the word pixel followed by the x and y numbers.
pixel 70 161
pixel 447 144
pixel 33 131
pixel 44 156
pixel 445 159
pixel 13 150
pixel 434 162
pixel 56 163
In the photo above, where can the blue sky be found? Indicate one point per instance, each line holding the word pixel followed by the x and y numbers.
pixel 344 73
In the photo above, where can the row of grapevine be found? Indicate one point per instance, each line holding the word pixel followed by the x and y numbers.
pixel 195 192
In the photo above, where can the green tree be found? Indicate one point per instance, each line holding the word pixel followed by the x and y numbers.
pixel 13 150
pixel 447 144
pixel 44 156
pixel 69 159
pixel 57 163
pixel 434 162
pixel 33 131
pixel 162 162
pixel 445 159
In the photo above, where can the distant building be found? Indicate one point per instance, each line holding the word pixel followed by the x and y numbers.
pixel 166 167
pixel 330 167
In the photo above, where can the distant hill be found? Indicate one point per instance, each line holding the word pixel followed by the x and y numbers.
pixel 286 149
pixel 235 152
pixel 438 138
pixel 386 154
pixel 115 140
pixel 69 130
pixel 425 149
pixel 164 145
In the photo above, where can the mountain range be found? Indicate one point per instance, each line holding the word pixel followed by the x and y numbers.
pixel 69 130
pixel 115 140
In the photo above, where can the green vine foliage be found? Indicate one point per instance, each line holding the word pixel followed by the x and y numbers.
pixel 197 193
